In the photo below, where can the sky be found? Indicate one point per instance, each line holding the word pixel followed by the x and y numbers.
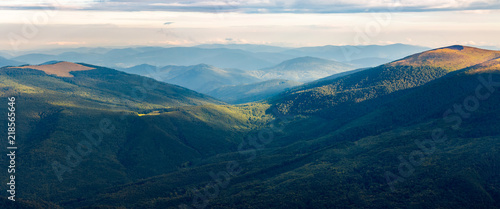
pixel 41 24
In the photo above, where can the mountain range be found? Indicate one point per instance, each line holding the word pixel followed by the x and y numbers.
pixel 418 132
pixel 245 93
pixel 236 86
pixel 7 62
pixel 303 69
pixel 244 57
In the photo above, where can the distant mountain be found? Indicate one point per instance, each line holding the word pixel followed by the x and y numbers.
pixel 7 62
pixel 51 62
pixel 158 56
pixel 245 57
pixel 303 69
pixel 352 53
pixel 86 50
pixel 35 59
pixel 369 62
pixel 247 47
pixel 143 69
pixel 202 78
pixel 251 92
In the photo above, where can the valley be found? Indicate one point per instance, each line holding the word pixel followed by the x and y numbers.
pixel 419 132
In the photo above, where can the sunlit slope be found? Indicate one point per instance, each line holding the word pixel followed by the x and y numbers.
pixel 450 58
pixel 347 165
pixel 157 128
pixel 95 87
pixel 341 95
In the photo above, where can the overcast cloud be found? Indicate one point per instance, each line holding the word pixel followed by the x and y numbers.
pixel 75 23
pixel 258 6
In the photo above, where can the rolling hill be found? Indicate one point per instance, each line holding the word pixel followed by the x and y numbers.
pixel 86 85
pixel 152 128
pixel 394 136
pixel 406 153
pixel 6 62
pixel 450 58
pixel 202 78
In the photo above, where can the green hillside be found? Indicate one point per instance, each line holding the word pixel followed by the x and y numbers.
pixel 342 95
pixel 347 166
pixel 152 129
pixel 393 136
pixel 100 88
pixel 345 95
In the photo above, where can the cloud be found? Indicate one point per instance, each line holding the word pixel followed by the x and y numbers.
pixel 65 43
pixel 262 6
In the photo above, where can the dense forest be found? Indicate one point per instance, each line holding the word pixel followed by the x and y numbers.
pixel 400 135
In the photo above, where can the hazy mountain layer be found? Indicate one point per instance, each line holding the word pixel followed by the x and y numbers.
pixel 252 92
pixel 303 69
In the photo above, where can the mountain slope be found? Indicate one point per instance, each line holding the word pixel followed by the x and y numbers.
pixel 202 78
pixel 386 137
pixel 251 92
pixel 450 58
pixel 95 86
pixel 342 94
pixel 303 69
pixel 117 128
pixel 6 62
pixel 348 165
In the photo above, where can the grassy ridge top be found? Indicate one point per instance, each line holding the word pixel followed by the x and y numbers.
pixel 61 69
pixel 451 58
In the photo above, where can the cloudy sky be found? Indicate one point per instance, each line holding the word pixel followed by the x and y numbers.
pixel 33 24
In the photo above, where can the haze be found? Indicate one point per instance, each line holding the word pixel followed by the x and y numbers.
pixel 28 25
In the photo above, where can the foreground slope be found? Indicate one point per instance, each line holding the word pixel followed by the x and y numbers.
pixel 318 163
pixel 102 127
pixel 431 143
